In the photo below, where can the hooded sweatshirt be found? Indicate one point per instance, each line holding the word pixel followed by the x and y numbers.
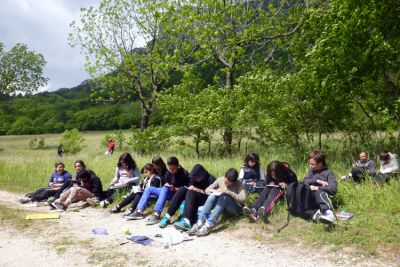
pixel 325 175
pixel 392 166
pixel 198 172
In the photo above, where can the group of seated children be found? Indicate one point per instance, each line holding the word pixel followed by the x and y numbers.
pixel 201 197
pixel 389 167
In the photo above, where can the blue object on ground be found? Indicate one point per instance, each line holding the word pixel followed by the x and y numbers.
pixel 140 239
pixel 99 231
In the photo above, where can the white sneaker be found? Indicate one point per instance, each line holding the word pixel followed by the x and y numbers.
pixel 328 217
pixel 104 203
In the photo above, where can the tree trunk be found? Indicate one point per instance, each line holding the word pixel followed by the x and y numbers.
pixel 144 123
pixel 228 133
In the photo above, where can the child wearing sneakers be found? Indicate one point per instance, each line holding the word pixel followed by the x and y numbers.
pixel 194 197
pixel 279 175
pixel 175 177
pixel 322 183
pixel 225 194
pixel 150 179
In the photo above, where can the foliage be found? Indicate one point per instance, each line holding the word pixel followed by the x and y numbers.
pixel 152 139
pixel 37 143
pixel 119 139
pixel 21 70
pixel 72 141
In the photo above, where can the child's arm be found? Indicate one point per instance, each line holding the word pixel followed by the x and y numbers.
pixel 211 188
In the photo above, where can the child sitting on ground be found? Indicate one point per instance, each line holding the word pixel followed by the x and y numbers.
pixel 225 194
pixel 150 179
pixel 361 167
pixel 251 174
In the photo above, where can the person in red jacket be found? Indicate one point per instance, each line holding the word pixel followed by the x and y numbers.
pixel 110 146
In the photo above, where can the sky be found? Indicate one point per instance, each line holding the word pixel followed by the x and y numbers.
pixel 44 26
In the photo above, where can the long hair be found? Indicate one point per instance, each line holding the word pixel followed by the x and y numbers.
pixel 280 169
pixel 159 165
pixel 127 158
pixel 253 157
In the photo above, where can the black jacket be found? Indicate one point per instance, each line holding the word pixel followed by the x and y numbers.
pixel 325 175
pixel 94 185
pixel 198 172
pixel 178 179
pixel 286 175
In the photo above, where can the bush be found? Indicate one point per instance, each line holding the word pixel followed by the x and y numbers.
pixel 72 141
pixel 37 144
pixel 151 139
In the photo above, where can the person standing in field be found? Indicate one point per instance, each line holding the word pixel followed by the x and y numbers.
pixel 57 180
pixel 110 146
pixel 60 150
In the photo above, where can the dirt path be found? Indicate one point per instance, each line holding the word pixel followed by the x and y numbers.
pixel 69 242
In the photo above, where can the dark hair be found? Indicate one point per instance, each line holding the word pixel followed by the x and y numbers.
pixel 384 156
pixel 318 156
pixel 253 157
pixel 83 175
pixel 149 167
pixel 232 175
pixel 58 163
pixel 173 161
pixel 279 168
pixel 81 163
pixel 127 158
pixel 159 165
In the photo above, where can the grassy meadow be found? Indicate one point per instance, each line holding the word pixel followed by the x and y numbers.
pixel 374 229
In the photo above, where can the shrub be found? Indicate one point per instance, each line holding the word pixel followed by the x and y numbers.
pixel 37 144
pixel 151 139
pixel 72 141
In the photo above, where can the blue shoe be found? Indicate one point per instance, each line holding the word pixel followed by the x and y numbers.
pixel 182 225
pixel 164 222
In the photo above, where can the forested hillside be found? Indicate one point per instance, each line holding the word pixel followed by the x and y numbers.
pixel 52 112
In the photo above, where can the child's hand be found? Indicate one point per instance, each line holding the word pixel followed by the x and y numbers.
pixel 322 183
pixel 282 185
pixel 313 188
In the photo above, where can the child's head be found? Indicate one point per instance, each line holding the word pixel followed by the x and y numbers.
pixel 384 157
pixel 363 156
pixel 59 166
pixel 79 165
pixel 275 170
pixel 231 176
pixel 173 164
pixel 252 160
pixel 126 161
pixel 148 169
pixel 159 165
pixel 83 175
pixel 316 160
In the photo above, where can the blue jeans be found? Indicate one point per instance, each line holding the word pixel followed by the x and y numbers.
pixel 163 194
pixel 220 204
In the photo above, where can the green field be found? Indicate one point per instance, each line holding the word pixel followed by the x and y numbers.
pixel 374 229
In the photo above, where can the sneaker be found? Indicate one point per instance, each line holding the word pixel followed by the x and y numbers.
pixel 316 216
pixel 328 217
pixel 58 206
pixel 262 214
pixel 204 231
pixel 250 213
pixel 153 219
pixel 92 202
pixel 182 225
pixel 195 228
pixel 104 203
pixel 116 209
pixel 24 200
pixel 51 207
pixel 343 178
pixel 164 222
pixel 129 212
pixel 135 216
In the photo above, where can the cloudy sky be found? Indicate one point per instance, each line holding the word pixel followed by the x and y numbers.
pixel 44 26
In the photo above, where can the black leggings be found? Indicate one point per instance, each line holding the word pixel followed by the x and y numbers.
pixel 193 201
pixel 133 198
pixel 268 198
pixel 177 200
pixel 42 194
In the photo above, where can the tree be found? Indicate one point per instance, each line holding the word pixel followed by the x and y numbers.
pixel 236 34
pixel 110 36
pixel 21 70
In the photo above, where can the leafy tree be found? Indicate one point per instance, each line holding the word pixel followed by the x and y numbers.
pixel 72 141
pixel 21 70
pixel 110 36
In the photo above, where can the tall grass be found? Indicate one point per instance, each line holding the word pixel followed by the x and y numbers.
pixel 375 227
